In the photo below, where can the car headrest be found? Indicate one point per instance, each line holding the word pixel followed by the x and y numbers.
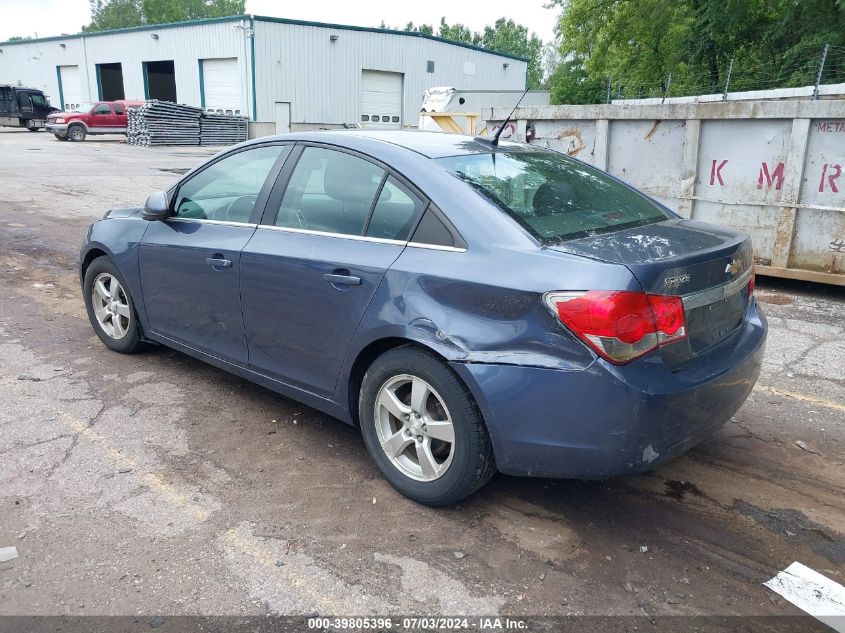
pixel 554 197
pixel 350 180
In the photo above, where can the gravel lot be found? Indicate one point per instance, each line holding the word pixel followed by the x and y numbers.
pixel 154 484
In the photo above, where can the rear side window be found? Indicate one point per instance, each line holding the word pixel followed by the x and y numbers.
pixel 330 191
pixel 434 230
pixel 554 197
pixel 118 108
pixel 395 211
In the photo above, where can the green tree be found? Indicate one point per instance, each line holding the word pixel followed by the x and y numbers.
pixel 422 28
pixel 570 83
pixel 114 14
pixel 638 44
pixel 458 33
pixel 506 36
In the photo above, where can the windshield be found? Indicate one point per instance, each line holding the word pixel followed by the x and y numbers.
pixel 83 107
pixel 554 197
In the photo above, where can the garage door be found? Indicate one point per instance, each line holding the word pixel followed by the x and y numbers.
pixel 221 84
pixel 71 87
pixel 381 99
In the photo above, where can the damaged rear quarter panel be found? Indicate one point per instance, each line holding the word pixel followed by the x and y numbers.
pixel 469 311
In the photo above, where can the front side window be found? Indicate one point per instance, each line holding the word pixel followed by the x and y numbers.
pixel 227 190
pixel 554 197
pixel 330 191
pixel 394 213
pixel 103 108
pixel 38 99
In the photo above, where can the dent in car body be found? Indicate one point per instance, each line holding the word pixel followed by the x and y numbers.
pixel 552 408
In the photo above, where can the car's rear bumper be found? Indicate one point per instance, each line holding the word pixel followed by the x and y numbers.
pixel 57 128
pixel 605 421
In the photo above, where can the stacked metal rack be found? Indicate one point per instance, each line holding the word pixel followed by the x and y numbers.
pixel 222 129
pixel 163 123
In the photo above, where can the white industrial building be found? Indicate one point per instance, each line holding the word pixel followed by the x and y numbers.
pixel 300 75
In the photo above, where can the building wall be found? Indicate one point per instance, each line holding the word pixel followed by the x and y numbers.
pixel 321 78
pixel 295 63
pixel 33 64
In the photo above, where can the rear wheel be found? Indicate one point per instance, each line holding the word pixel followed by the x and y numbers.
pixel 76 133
pixel 110 307
pixel 423 428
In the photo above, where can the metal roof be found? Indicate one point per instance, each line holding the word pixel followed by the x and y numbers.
pixel 261 18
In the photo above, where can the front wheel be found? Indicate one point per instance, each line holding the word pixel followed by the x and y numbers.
pixel 110 307
pixel 60 137
pixel 423 428
pixel 76 133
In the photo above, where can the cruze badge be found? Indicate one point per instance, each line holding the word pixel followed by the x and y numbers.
pixel 675 282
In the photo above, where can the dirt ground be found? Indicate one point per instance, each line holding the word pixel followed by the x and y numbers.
pixel 155 484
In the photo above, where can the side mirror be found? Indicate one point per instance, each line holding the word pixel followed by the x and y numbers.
pixel 156 206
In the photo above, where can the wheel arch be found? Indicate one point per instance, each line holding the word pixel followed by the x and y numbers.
pixel 90 255
pixel 365 359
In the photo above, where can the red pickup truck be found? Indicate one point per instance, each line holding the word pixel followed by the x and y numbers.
pixel 99 117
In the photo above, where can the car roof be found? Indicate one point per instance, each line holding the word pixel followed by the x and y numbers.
pixel 428 144
pixel 434 144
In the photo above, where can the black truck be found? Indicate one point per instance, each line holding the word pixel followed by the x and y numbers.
pixel 23 107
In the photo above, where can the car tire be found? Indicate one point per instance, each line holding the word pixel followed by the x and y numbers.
pixel 442 473
pixel 114 320
pixel 60 137
pixel 76 133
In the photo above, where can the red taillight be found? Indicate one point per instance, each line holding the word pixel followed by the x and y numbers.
pixel 620 325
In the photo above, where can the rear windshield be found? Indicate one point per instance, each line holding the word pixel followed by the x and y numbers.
pixel 554 197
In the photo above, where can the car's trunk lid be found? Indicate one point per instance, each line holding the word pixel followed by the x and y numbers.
pixel 709 266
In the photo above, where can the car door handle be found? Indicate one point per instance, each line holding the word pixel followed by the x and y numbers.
pixel 346 280
pixel 218 262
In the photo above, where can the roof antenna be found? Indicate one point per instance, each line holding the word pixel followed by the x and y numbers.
pixel 495 140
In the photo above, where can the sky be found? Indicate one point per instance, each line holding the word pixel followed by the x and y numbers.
pixel 54 17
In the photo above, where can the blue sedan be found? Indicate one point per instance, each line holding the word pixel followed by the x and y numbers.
pixel 471 306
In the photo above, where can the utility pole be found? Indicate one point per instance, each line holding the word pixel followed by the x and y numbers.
pixel 728 79
pixel 666 92
pixel 819 75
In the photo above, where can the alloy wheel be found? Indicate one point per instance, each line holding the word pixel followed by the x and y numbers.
pixel 414 427
pixel 111 306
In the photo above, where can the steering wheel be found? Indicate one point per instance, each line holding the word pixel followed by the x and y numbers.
pixel 248 200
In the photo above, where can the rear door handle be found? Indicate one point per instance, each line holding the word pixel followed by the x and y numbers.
pixel 345 280
pixel 218 261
